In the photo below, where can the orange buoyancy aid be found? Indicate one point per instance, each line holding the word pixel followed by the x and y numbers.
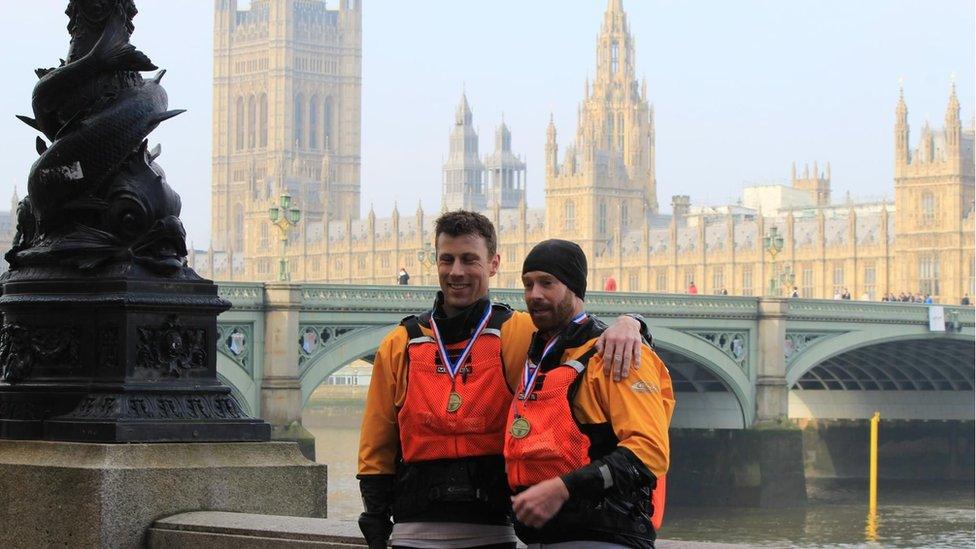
pixel 554 445
pixel 428 430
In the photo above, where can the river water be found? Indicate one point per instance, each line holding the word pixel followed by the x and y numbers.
pixel 909 514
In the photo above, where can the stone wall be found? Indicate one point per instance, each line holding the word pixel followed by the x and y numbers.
pixel 911 450
pixel 753 468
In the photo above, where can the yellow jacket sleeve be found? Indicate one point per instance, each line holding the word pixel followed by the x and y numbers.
pixel 516 336
pixel 379 439
pixel 638 408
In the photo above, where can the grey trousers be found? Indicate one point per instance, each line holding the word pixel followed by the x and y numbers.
pixel 577 545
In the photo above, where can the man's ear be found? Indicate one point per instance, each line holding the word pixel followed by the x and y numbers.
pixel 493 265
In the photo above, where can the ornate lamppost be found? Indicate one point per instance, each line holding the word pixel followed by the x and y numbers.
pixel 773 244
pixel 787 277
pixel 106 333
pixel 427 257
pixel 284 217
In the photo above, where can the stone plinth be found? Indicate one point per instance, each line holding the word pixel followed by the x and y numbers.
pixel 115 360
pixel 217 530
pixel 220 530
pixel 108 495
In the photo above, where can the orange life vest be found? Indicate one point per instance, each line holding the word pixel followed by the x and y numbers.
pixel 658 497
pixel 554 445
pixel 428 431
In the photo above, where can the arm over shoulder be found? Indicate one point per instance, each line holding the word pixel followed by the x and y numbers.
pixel 640 411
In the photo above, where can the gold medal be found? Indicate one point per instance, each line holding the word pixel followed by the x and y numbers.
pixel 520 427
pixel 453 402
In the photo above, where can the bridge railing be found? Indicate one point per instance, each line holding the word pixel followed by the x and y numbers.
pixel 406 299
pixel 739 340
pixel 874 312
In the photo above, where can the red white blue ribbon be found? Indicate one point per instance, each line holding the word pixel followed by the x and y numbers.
pixel 453 367
pixel 531 370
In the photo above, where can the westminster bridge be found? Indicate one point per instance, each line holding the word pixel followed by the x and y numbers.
pixel 736 361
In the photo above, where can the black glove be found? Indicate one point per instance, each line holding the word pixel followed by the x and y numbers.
pixel 376 529
pixel 374 522
pixel 626 472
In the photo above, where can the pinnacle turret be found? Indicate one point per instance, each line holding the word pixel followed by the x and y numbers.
pixel 462 116
pixel 901 128
pixel 463 184
pixel 503 137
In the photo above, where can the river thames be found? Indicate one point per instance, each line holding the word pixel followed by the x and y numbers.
pixel 910 514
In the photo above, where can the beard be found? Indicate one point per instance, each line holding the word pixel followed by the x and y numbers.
pixel 551 317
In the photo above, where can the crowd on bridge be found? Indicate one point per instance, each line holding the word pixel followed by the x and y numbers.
pixel 923 298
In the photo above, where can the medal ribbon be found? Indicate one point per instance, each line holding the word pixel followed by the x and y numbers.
pixel 531 371
pixel 453 367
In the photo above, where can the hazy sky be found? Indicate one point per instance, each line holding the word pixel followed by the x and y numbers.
pixel 741 88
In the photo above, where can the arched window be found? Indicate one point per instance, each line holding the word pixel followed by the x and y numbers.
pixel 662 280
pixel 328 116
pixel 614 57
pixel 252 123
pixel 313 123
pixel 263 128
pixel 624 215
pixel 620 131
pixel 602 219
pixel 299 122
pixel 929 274
pixel 870 280
pixel 839 279
pixel 238 227
pixel 239 124
pixel 747 284
pixel 928 209
pixel 570 216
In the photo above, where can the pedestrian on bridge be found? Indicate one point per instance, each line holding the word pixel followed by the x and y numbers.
pixel 582 453
pixel 430 452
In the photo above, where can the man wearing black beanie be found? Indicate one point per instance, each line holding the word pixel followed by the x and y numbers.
pixel 583 474
pixel 561 258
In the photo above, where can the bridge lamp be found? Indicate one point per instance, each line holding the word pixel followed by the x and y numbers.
pixel 427 257
pixel 284 216
pixel 773 244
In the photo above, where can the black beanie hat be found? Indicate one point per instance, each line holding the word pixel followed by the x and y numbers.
pixel 562 259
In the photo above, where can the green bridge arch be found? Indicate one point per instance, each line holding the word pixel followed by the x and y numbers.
pixel 830 347
pixel 356 345
pixel 713 360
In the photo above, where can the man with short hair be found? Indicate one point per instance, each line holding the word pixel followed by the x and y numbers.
pixel 582 453
pixel 430 450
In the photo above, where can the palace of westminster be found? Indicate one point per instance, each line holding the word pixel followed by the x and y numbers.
pixel 287 118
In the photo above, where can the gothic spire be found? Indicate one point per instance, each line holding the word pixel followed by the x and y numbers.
pixel 615 52
pixel 462 117
pixel 503 137
pixel 952 109
pixel 901 110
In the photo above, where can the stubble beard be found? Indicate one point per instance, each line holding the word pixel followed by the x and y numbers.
pixel 562 315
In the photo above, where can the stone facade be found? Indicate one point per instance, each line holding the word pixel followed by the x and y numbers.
pixel 287 117
pixel 602 191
